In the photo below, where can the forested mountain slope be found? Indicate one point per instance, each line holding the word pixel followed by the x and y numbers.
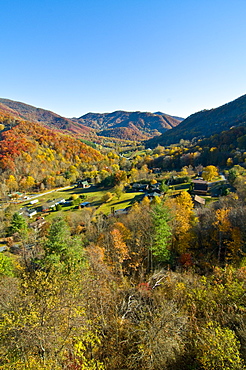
pixel 29 150
pixel 206 123
pixel 119 124
pixel 148 124
pixel 5 110
pixel 43 116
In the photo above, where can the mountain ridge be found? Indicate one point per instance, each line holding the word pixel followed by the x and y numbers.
pixel 149 124
pixel 206 123
pixel 118 124
pixel 43 116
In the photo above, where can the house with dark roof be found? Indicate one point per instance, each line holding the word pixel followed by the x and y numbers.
pixel 48 205
pixel 154 194
pixel 200 187
pixel 31 212
pixel 140 187
pixel 27 212
pixel 52 203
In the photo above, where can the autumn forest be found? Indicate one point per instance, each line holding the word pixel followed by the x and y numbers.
pixel 122 253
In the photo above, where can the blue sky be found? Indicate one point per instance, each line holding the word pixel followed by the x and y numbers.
pixel 79 56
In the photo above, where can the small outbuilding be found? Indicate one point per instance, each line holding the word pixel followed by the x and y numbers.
pixel 198 201
pixel 84 204
pixel 83 184
pixel 34 201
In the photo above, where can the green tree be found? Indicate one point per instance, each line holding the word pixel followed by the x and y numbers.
pixel 232 175
pixel 18 225
pixel 61 248
pixel 58 207
pixel 6 265
pixel 162 233
pixel 164 187
pixel 58 237
pixel 107 181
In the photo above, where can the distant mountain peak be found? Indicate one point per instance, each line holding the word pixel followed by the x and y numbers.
pixel 128 124
pixel 164 114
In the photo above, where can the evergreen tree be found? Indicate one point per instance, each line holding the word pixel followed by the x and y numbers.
pixel 59 234
pixel 61 248
pixel 18 225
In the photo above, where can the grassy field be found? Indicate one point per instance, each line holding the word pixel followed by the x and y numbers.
pixel 92 195
pixel 126 200
pixel 183 186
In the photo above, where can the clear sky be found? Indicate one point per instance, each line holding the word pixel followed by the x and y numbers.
pixel 79 56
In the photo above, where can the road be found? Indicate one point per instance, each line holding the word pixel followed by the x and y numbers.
pixel 34 196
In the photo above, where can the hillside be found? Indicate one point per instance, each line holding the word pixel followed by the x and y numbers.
pixel 5 110
pixel 29 150
pixel 125 133
pixel 45 117
pixel 109 124
pixel 205 123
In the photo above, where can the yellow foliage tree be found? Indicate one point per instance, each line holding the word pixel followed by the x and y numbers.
pixel 235 245
pixel 223 226
pixel 209 173
pixel 121 249
pixel 45 324
pixel 153 182
pixel 146 201
pixel 12 183
pixel 228 238
pixel 184 171
pixel 30 182
pixel 183 220
pixel 218 348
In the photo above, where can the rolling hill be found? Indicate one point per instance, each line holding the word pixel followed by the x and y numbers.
pixel 205 123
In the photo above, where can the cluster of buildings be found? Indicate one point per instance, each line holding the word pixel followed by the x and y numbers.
pixel 150 190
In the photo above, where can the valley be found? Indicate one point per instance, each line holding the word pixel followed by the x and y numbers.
pixel 123 185
pixel 117 251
